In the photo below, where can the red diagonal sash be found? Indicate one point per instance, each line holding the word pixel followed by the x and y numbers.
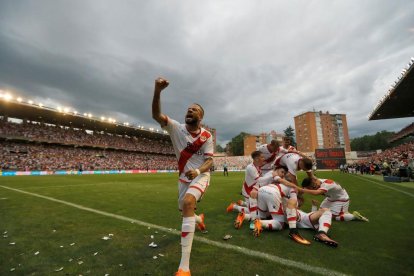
pixel 191 149
pixel 271 158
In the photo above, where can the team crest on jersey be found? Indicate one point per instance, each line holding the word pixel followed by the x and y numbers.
pixel 203 138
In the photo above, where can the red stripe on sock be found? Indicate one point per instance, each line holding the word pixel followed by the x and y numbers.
pixel 292 219
pixel 184 234
pixel 326 225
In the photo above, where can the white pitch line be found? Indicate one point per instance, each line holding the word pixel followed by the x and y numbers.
pixel 74 185
pixel 242 250
pixel 385 186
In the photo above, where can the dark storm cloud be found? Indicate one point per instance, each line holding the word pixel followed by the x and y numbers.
pixel 252 65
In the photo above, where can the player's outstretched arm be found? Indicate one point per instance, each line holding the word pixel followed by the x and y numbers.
pixel 287 183
pixel 160 84
pixel 311 192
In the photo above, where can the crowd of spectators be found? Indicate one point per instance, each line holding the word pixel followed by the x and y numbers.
pixel 34 156
pixel 232 162
pixel 64 135
pixel 396 161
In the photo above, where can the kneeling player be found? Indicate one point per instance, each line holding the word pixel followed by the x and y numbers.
pixel 336 198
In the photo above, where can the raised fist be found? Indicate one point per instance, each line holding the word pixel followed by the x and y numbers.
pixel 161 84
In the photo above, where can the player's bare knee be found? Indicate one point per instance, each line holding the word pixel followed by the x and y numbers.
pixel 189 203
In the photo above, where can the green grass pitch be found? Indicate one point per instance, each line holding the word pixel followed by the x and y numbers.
pixel 71 238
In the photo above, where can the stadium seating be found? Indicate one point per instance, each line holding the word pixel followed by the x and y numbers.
pixel 26 147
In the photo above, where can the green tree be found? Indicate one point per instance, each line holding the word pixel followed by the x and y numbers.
pixel 290 132
pixel 219 148
pixel 372 142
pixel 236 144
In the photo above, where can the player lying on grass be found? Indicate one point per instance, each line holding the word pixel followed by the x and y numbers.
pixel 319 220
pixel 336 198
pixel 277 199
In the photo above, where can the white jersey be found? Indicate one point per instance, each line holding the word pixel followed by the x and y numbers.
pixel 191 150
pixel 252 175
pixel 333 191
pixel 289 160
pixel 270 157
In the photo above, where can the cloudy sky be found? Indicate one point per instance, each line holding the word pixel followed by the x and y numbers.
pixel 253 65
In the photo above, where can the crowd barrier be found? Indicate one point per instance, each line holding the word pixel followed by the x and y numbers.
pixel 19 173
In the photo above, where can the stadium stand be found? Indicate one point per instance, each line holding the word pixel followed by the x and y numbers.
pixel 234 163
pixel 34 138
pixel 61 135
pixel 405 132
pixel 30 156
pixel 396 161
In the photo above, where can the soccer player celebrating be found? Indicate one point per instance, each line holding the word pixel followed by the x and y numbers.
pixel 295 161
pixel 252 175
pixel 287 144
pixel 336 198
pixel 193 146
pixel 270 153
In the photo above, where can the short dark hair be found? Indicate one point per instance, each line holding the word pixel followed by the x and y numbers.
pixel 275 143
pixel 307 163
pixel 281 167
pixel 306 182
pixel 256 154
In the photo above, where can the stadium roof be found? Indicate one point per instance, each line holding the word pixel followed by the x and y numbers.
pixel 31 112
pixel 399 102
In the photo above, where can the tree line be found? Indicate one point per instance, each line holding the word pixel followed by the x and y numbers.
pixel 365 143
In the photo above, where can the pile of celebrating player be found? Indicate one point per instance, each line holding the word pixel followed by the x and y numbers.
pixel 273 197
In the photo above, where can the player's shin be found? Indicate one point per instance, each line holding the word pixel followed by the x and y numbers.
pixel 291 217
pixel 187 235
pixel 345 217
pixel 271 224
pixel 325 221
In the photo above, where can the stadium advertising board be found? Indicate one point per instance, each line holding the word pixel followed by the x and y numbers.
pixel 19 173
pixel 330 158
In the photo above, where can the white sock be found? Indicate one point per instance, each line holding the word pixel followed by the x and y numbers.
pixel 345 217
pixel 271 224
pixel 247 217
pixel 291 217
pixel 252 208
pixel 325 221
pixel 197 218
pixel 187 235
pixel 238 209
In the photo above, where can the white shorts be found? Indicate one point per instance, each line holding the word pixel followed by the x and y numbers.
pixel 337 207
pixel 269 202
pixel 197 188
pixel 303 220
